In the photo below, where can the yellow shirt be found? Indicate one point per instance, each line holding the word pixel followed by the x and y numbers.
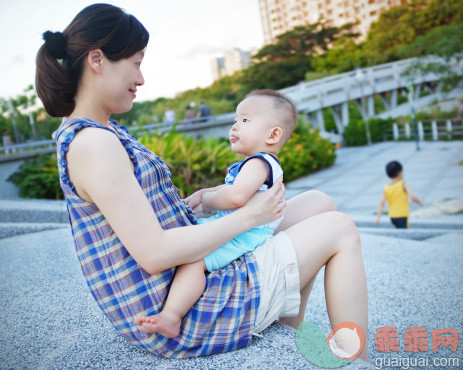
pixel 397 198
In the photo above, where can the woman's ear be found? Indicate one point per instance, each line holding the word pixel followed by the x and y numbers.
pixel 275 135
pixel 95 59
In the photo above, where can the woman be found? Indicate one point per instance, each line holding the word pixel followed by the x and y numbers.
pixel 131 228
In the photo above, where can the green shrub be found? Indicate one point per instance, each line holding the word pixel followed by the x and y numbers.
pixel 38 178
pixel 305 152
pixel 355 132
pixel 194 164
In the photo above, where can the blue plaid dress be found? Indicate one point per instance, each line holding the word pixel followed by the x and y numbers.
pixel 223 318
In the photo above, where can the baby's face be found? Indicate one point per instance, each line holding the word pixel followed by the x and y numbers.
pixel 254 121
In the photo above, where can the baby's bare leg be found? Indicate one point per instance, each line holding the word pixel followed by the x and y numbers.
pixel 187 287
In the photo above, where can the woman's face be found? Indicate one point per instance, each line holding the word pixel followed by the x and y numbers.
pixel 121 80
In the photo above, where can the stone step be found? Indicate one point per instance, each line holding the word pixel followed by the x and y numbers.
pixel 420 234
pixel 33 211
pixel 9 229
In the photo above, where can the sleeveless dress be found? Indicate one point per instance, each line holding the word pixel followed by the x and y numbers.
pixel 220 321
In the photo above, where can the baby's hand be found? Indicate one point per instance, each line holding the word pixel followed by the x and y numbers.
pixel 204 205
pixel 194 200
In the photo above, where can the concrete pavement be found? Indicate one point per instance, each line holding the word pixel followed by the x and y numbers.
pixel 48 318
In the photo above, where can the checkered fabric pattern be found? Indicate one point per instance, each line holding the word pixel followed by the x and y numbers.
pixel 221 320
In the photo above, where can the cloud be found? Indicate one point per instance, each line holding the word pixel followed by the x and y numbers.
pixel 204 50
pixel 201 51
pixel 19 59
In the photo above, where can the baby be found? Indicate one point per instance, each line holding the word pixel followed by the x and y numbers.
pixel 264 122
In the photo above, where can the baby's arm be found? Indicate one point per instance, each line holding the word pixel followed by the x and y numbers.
pixel 380 209
pixel 250 178
pixel 194 200
pixel 411 195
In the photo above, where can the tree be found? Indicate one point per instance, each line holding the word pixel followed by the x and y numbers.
pixel 287 61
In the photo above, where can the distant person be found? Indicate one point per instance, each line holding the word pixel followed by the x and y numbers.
pixel 396 194
pixel 190 115
pixel 7 142
pixel 169 115
pixel 204 112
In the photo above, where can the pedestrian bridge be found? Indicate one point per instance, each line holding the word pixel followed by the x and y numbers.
pixel 362 85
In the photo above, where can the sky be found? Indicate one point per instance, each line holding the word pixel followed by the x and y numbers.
pixel 184 36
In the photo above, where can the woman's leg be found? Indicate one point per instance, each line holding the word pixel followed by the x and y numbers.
pixel 299 208
pixel 305 205
pixel 186 288
pixel 332 239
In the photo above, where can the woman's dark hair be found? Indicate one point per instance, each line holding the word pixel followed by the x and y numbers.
pixel 60 59
pixel 393 169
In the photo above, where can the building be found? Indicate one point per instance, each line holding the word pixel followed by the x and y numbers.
pixel 233 60
pixel 218 68
pixel 280 16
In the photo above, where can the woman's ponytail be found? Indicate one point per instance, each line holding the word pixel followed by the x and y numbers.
pixel 54 83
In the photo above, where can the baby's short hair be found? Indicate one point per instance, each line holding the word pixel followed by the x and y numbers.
pixel 282 104
pixel 393 169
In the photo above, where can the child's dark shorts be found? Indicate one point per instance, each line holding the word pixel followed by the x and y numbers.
pixel 400 222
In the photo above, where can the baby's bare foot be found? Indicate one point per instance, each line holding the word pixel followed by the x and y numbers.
pixel 164 323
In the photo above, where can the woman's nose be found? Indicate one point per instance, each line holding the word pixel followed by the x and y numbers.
pixel 140 79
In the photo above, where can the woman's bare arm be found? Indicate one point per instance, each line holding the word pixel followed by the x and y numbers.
pixel 102 173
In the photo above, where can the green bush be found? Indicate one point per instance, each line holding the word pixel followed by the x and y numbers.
pixel 355 132
pixel 38 178
pixel 305 152
pixel 194 163
pixel 197 164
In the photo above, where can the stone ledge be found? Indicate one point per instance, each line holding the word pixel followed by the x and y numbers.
pixel 9 229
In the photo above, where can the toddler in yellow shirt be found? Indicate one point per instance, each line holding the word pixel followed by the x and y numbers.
pixel 396 194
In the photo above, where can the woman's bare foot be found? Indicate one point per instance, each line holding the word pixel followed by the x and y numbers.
pixel 164 323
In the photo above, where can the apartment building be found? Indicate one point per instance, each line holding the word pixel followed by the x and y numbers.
pixel 233 60
pixel 280 16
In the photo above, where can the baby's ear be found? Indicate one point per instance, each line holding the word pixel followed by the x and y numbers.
pixel 275 135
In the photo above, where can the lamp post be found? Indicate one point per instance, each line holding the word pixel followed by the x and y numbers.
pixel 360 76
pixel 411 99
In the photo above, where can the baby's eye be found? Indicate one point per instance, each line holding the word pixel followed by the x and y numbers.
pixel 245 120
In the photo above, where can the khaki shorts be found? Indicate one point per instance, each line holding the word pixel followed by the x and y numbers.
pixel 278 276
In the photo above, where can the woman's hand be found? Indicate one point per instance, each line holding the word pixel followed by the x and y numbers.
pixel 268 205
